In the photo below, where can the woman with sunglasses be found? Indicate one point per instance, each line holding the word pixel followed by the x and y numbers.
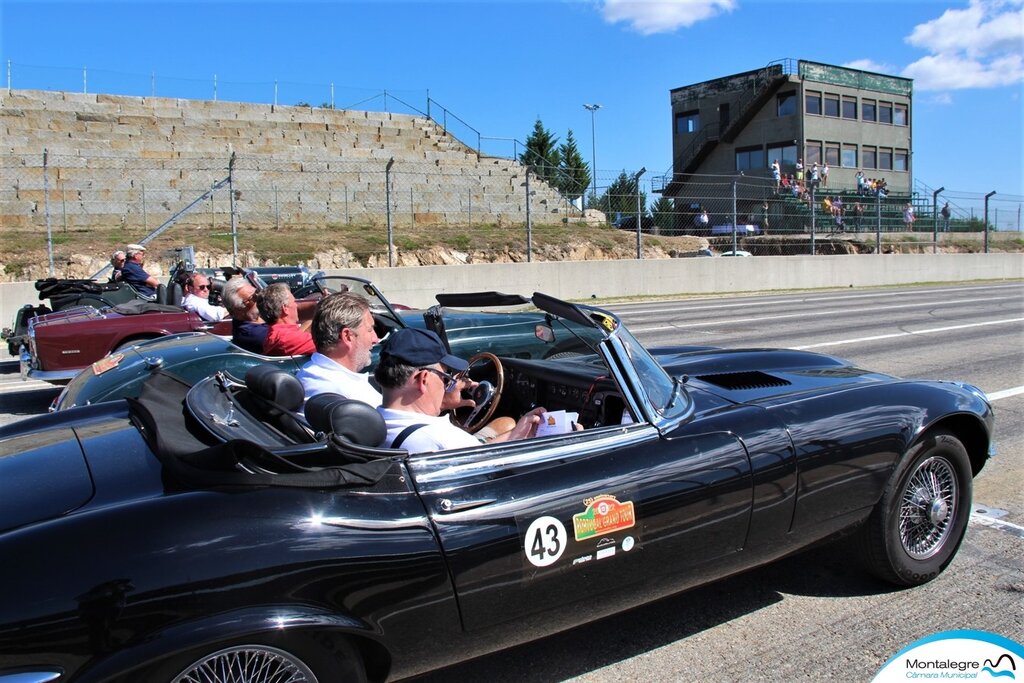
pixel 197 299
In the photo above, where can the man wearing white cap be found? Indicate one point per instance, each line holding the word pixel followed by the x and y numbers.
pixel 134 274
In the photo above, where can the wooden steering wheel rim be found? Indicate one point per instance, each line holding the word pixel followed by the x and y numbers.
pixel 499 385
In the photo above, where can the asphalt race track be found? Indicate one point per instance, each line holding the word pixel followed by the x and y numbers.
pixel 815 615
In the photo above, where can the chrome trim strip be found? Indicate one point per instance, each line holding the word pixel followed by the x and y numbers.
pixel 367 524
pixel 52 375
pixel 31 677
pixel 435 468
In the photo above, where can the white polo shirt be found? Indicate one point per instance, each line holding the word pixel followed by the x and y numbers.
pixel 320 375
pixel 438 434
pixel 203 308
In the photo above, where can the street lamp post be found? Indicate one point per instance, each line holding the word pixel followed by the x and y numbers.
pixel 592 108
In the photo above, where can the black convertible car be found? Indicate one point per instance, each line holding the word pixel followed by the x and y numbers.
pixel 205 532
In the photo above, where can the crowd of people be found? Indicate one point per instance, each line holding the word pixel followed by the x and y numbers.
pixel 416 380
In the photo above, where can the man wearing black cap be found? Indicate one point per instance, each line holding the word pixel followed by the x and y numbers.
pixel 415 372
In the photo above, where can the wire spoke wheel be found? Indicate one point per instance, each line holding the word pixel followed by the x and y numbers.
pixel 928 508
pixel 248 664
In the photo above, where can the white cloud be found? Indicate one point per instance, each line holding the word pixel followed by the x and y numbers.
pixel 663 16
pixel 980 46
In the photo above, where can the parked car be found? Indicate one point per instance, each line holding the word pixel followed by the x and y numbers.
pixel 738 252
pixel 205 532
pixel 647 224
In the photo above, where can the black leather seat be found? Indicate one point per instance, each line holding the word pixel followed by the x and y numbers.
pixel 273 396
pixel 347 419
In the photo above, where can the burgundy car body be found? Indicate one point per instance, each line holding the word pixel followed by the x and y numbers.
pixel 61 344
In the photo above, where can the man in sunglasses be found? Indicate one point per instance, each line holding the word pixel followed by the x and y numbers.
pixel 197 299
pixel 416 372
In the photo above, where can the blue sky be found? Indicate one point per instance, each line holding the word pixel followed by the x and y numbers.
pixel 500 65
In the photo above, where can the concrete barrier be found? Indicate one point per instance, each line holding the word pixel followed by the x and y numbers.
pixel 588 280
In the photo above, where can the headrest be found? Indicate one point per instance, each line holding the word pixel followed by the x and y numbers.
pixel 274 384
pixel 350 420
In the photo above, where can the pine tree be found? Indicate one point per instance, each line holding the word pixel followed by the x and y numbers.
pixel 542 154
pixel 620 198
pixel 575 174
pixel 664 214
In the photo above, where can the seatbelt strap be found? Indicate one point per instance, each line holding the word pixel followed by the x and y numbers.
pixel 404 434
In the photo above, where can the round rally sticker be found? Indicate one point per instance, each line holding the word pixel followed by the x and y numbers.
pixel 545 541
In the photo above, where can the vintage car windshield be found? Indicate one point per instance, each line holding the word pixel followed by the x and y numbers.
pixel 664 393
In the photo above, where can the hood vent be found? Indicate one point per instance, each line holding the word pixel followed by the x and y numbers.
pixel 738 381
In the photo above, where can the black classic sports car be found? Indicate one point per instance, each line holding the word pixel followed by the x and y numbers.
pixel 207 532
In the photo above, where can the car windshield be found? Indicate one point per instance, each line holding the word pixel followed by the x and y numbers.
pixel 663 392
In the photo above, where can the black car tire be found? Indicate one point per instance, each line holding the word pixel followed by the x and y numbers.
pixel 916 528
pixel 316 659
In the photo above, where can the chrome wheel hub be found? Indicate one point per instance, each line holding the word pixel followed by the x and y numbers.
pixel 928 508
pixel 248 664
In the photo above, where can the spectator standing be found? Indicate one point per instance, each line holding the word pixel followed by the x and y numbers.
pixel 776 174
pixel 285 337
pixel 858 214
pixel 812 182
pixel 860 183
pixel 824 175
pixel 764 218
pixel 702 221
pixel 908 217
pixel 197 299
pixel 799 170
pixel 945 217
pixel 248 331
pixel 134 274
pixel 117 260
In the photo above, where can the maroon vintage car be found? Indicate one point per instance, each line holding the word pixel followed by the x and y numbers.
pixel 61 344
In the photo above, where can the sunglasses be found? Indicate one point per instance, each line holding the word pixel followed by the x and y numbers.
pixel 200 287
pixel 450 380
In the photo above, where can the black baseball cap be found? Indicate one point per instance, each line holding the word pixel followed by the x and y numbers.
pixel 413 346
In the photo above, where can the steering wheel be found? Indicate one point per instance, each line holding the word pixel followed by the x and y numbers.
pixel 321 287
pixel 486 395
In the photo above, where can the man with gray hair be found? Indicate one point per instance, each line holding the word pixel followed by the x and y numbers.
pixel 248 331
pixel 278 308
pixel 117 260
pixel 134 274
pixel 344 335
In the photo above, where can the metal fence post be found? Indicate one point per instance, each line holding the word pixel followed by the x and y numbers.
pixel 412 209
pixel 986 218
pixel 145 214
pixel 387 199
pixel 46 207
pixel 277 209
pixel 529 220
pixel 935 220
pixel 735 220
pixel 470 191
pixel 878 224
pixel 64 206
pixel 814 214
pixel 234 215
pixel 639 213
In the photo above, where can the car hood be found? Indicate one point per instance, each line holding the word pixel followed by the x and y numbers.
pixel 759 375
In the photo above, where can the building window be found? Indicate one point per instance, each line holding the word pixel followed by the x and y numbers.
pixel 750 158
pixel 868 111
pixel 812 102
pixel 900 160
pixel 832 153
pixel 849 156
pixel 832 105
pixel 899 114
pixel 785 104
pixel 687 122
pixel 785 152
pixel 869 156
pixel 885 112
pixel 812 153
pixel 885 158
pixel 849 107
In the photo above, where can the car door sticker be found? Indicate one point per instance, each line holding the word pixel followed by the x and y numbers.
pixel 606 527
